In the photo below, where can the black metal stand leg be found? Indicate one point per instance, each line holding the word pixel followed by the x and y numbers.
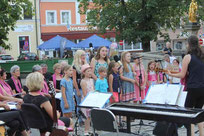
pixel 76 125
pixel 128 125
pixel 188 129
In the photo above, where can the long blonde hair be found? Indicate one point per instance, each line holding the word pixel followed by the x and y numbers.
pixel 124 62
pixel 77 63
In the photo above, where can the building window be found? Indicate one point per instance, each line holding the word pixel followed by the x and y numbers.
pixel 24 44
pixel 160 45
pixel 131 46
pixel 178 45
pixel 65 16
pixel 51 17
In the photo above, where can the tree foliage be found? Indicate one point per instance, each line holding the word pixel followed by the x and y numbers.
pixel 10 12
pixel 137 20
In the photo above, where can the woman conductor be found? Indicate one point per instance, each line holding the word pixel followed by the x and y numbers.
pixel 193 62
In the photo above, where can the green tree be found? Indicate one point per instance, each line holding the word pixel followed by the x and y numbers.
pixel 10 12
pixel 136 20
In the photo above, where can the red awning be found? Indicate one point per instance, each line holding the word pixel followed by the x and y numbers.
pixel 76 35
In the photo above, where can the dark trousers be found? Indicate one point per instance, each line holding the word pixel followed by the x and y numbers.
pixel 14 120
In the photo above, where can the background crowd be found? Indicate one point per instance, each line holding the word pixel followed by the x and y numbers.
pixel 127 81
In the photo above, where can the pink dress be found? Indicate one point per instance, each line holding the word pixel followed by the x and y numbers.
pixel 90 88
pixel 137 89
pixel 151 78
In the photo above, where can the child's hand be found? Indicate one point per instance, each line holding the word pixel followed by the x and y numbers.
pixel 58 114
pixel 78 93
pixel 143 87
pixel 133 81
pixel 66 105
pixel 113 98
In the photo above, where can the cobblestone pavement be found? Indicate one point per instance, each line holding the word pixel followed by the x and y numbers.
pixel 146 130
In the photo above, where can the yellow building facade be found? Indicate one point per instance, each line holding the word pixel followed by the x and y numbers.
pixel 26 35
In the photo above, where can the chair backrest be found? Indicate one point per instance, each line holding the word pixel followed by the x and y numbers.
pixel 103 120
pixel 34 116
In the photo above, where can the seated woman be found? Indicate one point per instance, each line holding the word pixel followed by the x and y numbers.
pixel 15 81
pixel 14 120
pixel 34 82
pixel 6 93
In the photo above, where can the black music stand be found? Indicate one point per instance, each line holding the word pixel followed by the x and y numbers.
pixel 79 115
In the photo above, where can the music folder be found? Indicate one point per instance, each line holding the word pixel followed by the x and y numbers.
pixel 95 100
pixel 170 94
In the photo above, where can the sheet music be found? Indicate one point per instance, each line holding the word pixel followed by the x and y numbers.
pixel 171 93
pixel 58 96
pixel 12 106
pixel 163 94
pixel 95 99
pixel 182 98
pixel 155 94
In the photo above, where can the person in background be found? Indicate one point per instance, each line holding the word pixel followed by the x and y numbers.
pixel 101 84
pixel 175 68
pixel 34 82
pixel 45 90
pixel 127 77
pixel 101 59
pixel 167 49
pixel 57 77
pixel 114 81
pixel 138 69
pixel 87 85
pixel 193 62
pixel 15 80
pixel 161 76
pixel 45 73
pixel 67 101
pixel 88 56
pixel 6 93
pixel 63 64
pixel 151 75
pixel 79 60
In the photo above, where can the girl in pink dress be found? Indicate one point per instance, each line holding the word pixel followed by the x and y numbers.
pixel 87 85
pixel 137 68
pixel 151 75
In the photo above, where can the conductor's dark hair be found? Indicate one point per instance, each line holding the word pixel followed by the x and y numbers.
pixel 194 47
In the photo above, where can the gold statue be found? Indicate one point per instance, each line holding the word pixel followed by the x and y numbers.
pixel 192 11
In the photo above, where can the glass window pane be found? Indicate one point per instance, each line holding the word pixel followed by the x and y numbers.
pixel 51 19
pixel 160 46
pixel 136 46
pixel 128 46
pixel 65 17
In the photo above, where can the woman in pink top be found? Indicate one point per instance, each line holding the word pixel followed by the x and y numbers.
pixel 138 69
pixel 5 90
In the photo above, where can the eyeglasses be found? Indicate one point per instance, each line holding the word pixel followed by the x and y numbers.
pixel 83 54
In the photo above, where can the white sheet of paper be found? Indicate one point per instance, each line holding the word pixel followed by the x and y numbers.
pixel 163 94
pixel 12 106
pixel 95 99
pixel 58 95
pixel 182 99
pixel 155 94
pixel 171 94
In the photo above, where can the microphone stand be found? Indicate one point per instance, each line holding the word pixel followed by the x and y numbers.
pixel 141 123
